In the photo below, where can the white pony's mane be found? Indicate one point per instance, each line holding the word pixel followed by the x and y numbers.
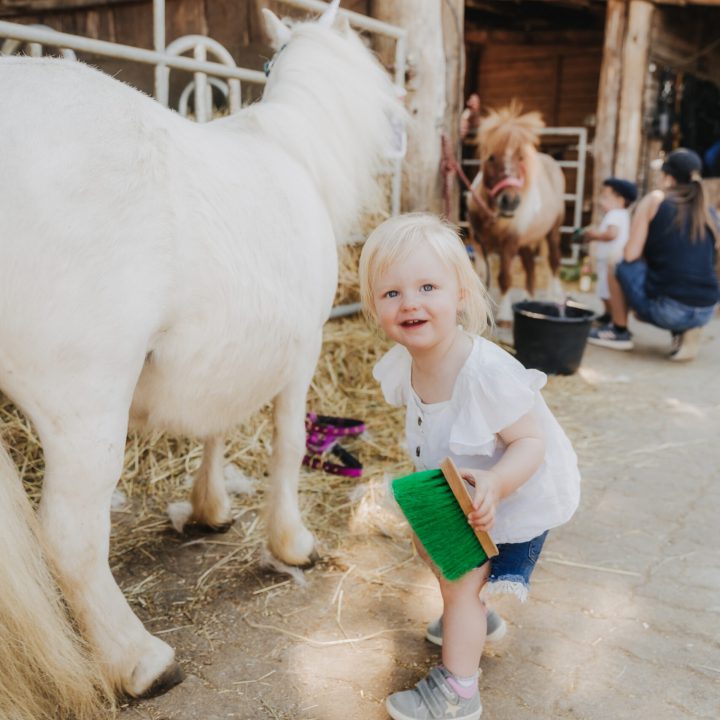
pixel 328 103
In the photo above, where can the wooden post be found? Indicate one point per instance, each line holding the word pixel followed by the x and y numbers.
pixel 608 99
pixel 425 102
pixel 635 55
pixel 453 14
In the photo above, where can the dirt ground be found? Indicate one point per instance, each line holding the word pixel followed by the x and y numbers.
pixel 624 616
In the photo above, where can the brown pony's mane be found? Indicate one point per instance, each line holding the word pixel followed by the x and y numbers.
pixel 509 128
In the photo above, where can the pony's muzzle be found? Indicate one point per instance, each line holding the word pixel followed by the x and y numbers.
pixel 508 201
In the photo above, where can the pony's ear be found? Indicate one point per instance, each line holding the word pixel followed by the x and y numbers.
pixel 342 25
pixel 328 17
pixel 277 33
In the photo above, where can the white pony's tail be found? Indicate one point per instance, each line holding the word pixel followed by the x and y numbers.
pixel 45 672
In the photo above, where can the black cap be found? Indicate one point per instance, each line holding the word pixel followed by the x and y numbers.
pixel 681 164
pixel 624 188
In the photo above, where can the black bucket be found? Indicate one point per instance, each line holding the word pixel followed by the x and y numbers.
pixel 551 337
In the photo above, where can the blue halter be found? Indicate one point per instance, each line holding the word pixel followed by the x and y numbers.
pixel 267 65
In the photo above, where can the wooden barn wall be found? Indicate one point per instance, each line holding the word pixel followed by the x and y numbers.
pixel 236 24
pixel 558 78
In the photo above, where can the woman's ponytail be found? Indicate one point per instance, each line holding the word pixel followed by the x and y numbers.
pixel 692 205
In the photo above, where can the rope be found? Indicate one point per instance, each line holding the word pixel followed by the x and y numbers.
pixel 449 168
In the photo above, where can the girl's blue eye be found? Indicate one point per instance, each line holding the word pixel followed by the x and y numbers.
pixel 427 287
pixel 391 294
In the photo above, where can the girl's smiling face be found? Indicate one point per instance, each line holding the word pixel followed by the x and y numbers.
pixel 417 300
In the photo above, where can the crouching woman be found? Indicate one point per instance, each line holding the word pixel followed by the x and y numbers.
pixel 668 276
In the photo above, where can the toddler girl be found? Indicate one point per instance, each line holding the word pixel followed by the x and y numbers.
pixel 469 400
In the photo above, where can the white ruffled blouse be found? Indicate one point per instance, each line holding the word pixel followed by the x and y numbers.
pixel 491 392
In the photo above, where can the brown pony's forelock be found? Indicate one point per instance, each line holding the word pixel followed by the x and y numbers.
pixel 509 128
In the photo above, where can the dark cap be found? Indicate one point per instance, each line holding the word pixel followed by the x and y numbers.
pixel 624 188
pixel 681 164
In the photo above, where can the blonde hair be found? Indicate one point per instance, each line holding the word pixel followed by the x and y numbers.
pixel 395 239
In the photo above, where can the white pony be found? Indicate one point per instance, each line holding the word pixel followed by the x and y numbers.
pixel 174 274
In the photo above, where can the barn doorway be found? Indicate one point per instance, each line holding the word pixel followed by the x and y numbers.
pixel 547 55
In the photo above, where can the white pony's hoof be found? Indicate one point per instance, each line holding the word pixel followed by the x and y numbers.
pixel 156 672
pixel 293 548
pixel 173 676
pixel 182 517
pixel 268 560
pixel 179 514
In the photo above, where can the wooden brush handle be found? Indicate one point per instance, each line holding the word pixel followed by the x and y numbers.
pixel 457 485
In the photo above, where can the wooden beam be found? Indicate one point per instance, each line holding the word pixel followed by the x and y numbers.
pixel 635 55
pixel 493 8
pixel 537 37
pixel 715 3
pixel 608 98
pixel 24 7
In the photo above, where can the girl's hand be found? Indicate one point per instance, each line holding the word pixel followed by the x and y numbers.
pixel 486 498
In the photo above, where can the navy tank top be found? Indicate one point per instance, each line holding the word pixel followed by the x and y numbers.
pixel 678 268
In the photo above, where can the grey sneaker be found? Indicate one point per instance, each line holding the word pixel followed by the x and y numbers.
pixel 496 629
pixel 433 698
pixel 686 345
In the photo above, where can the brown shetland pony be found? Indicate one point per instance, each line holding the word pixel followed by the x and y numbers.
pixel 517 197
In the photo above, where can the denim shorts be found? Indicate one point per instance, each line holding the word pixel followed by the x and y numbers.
pixel 511 569
pixel 663 312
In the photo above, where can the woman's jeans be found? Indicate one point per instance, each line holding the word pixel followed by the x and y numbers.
pixel 663 312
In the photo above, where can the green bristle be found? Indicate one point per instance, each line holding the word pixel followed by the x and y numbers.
pixel 430 507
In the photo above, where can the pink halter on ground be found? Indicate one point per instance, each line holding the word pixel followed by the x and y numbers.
pixel 323 432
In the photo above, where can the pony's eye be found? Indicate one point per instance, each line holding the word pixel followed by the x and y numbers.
pixel 491 158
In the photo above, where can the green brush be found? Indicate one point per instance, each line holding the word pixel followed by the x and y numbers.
pixel 436 503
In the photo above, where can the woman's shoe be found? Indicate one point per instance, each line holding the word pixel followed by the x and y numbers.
pixel 686 345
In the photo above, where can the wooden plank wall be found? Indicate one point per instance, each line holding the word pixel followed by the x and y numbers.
pixel 557 76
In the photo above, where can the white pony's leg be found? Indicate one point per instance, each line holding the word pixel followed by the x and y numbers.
pixel 288 537
pixel 84 452
pixel 209 497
